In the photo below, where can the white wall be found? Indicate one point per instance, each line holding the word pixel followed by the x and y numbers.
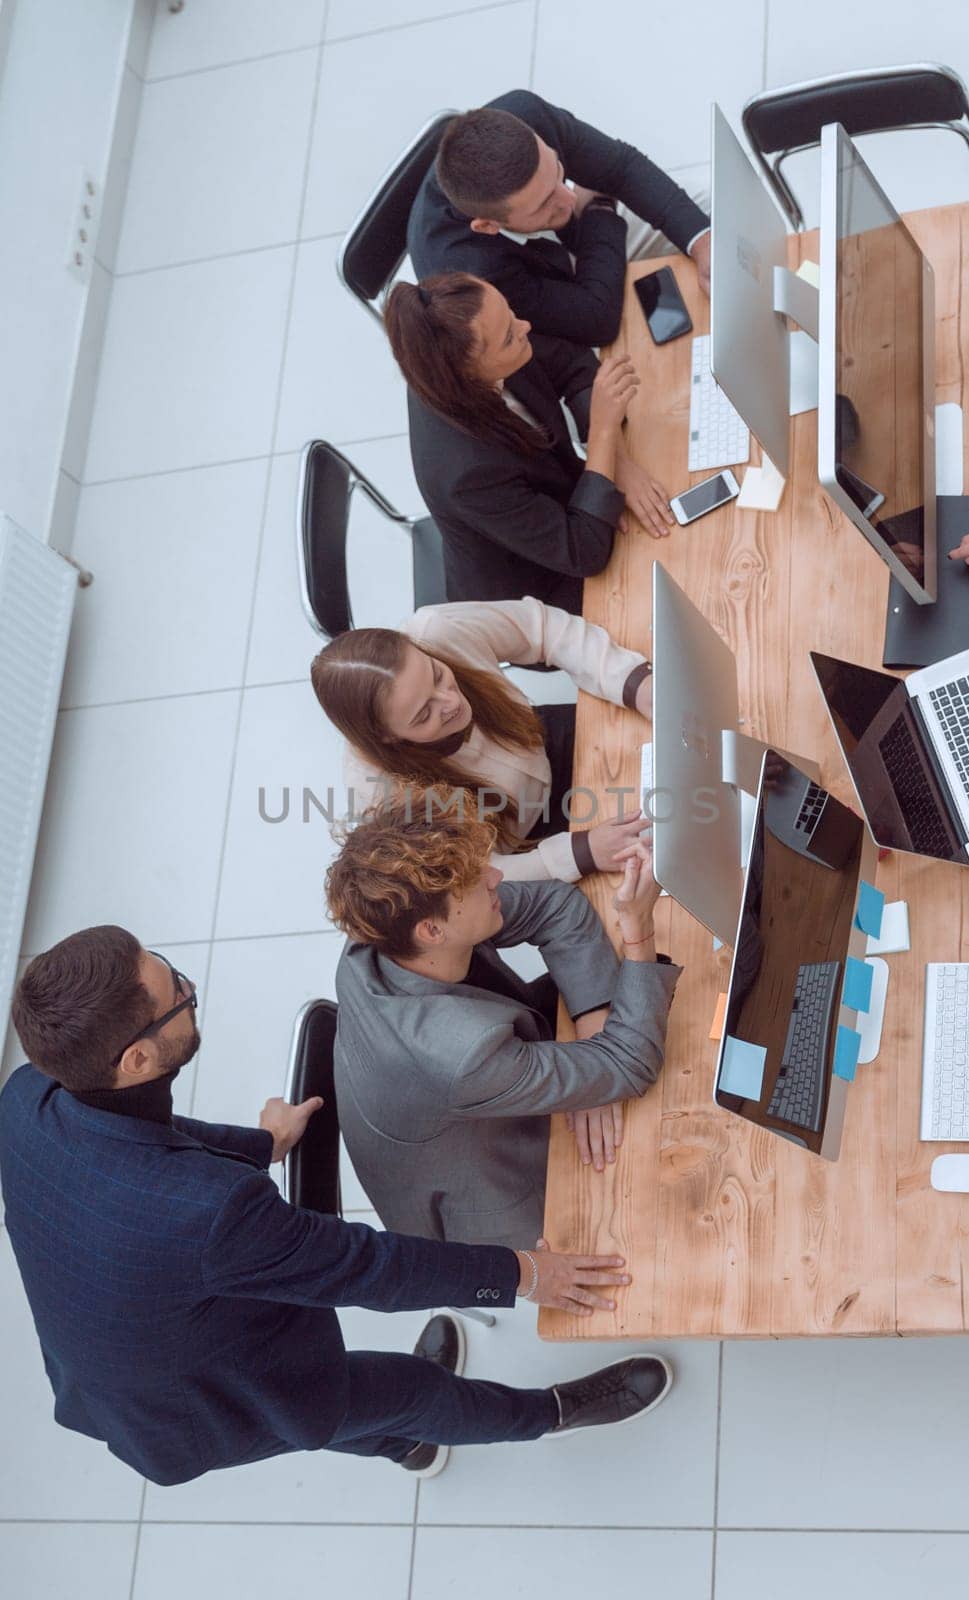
pixel 68 64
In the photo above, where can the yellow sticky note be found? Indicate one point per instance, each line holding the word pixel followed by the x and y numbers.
pixel 716 1027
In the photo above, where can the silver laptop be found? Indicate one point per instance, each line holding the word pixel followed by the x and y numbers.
pixel 906 743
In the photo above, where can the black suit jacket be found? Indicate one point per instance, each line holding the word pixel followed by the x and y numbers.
pixel 538 279
pixel 515 524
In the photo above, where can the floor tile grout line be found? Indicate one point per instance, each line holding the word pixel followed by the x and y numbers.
pixel 223 255
pixel 413 1541
pixel 422 22
pixel 134 1558
pixel 716 1475
pixel 277 407
pixel 230 461
pixel 534 50
pixel 494 1527
pixel 341 38
pixel 181 694
pixel 239 61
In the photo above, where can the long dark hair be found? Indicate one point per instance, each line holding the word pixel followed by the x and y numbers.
pixel 351 676
pixel 429 327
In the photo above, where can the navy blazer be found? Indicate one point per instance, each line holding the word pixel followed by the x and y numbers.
pixel 581 301
pixel 182 1306
pixel 514 524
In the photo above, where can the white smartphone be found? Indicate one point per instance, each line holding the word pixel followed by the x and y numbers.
pixel 704 497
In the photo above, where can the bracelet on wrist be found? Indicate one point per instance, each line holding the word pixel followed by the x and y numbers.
pixel 529 1293
pixel 630 943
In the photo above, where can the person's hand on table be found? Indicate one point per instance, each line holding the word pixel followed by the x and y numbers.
pixel 646 499
pixel 598 1133
pixel 615 385
pixel 961 551
pixel 287 1123
pixel 636 897
pixel 569 1282
pixel 701 255
pixel 608 841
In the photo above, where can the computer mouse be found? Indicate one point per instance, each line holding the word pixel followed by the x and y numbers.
pixel 951 1174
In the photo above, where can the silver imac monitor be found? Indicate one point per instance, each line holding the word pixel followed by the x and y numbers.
pixel 876 369
pixel 751 345
pixel 695 813
pixel 787 1021
pixel 705 772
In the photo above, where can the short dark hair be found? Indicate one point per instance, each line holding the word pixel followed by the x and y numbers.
pixel 401 863
pixel 483 159
pixel 79 1003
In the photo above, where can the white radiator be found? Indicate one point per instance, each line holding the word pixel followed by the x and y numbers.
pixel 37 589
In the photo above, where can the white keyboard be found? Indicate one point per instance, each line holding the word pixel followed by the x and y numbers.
pixel 718 435
pixel 945 1052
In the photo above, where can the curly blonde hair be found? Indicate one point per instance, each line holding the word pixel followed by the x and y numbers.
pixel 401 863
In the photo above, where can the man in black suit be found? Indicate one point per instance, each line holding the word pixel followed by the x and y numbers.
pixel 498 204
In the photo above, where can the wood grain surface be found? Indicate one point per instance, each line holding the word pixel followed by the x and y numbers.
pixel 728 1230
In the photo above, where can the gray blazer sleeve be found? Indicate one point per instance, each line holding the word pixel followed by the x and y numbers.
pixel 503 1075
pixel 559 920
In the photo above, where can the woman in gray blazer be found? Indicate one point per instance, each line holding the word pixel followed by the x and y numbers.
pixel 447 1065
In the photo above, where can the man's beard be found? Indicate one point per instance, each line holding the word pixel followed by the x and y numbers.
pixel 179 1055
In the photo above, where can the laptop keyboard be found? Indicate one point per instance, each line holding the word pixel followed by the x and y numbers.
pixel 951 703
pixel 799 1092
pixel 811 808
pixel 916 801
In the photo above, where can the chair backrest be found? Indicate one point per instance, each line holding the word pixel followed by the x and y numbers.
pixel 876 100
pixel 311 1172
pixel 327 481
pixel 377 242
pixel 322 518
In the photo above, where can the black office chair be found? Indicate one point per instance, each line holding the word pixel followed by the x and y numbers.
pixel 780 123
pixel 311 1171
pixel 327 481
pixel 377 242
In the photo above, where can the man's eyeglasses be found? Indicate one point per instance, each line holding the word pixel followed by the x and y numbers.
pixel 185 996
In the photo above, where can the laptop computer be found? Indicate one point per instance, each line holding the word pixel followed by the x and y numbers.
pixel 906 744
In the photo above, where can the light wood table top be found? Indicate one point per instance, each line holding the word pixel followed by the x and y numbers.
pixel 730 1231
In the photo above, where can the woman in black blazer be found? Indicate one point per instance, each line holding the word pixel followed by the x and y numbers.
pixel 519 511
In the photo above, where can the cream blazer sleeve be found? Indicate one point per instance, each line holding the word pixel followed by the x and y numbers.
pixel 487 633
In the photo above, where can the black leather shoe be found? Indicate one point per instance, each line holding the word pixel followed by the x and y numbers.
pixel 442 1341
pixel 617 1393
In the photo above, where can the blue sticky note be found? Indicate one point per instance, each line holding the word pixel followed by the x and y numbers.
pixel 871 904
pixel 742 1072
pixel 846 1046
pixel 857 989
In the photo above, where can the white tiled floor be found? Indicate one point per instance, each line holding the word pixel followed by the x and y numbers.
pixel 792 1469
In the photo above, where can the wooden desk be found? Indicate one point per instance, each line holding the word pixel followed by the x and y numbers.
pixel 729 1231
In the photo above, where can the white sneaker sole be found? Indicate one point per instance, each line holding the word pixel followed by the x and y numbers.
pixel 652 1355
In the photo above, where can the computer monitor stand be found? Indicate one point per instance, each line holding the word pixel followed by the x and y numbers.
pixel 796 298
pixel 869 1023
pixel 918 636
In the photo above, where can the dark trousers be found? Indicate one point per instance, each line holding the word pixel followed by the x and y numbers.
pixel 558 725
pixel 398 1401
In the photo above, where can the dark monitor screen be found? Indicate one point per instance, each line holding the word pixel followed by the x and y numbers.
pixel 890 759
pixel 798 907
pixel 879 364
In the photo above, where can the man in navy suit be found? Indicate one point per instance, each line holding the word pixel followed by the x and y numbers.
pixel 184 1309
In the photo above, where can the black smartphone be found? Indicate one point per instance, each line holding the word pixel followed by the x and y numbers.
pixel 663 306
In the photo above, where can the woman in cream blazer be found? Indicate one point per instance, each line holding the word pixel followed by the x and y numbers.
pixel 428 706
